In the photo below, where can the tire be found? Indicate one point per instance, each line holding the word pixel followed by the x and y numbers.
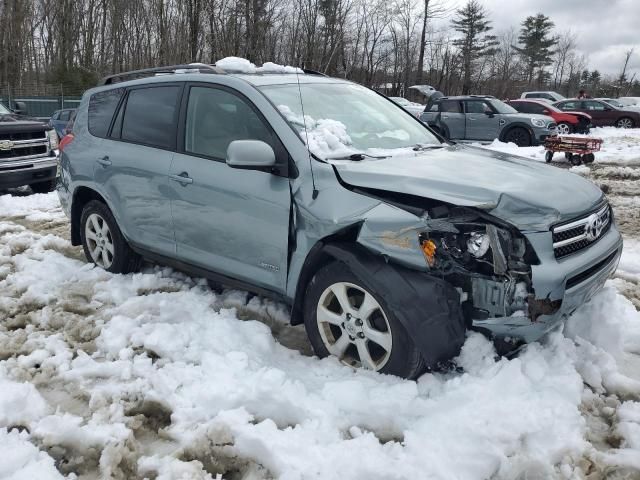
pixel 103 242
pixel 625 122
pixel 565 128
pixel 519 136
pixel 589 158
pixel 575 159
pixel 395 354
pixel 548 156
pixel 44 187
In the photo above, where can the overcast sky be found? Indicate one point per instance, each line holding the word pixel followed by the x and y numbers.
pixel 605 29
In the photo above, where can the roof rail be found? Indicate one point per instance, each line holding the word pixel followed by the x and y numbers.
pixel 313 72
pixel 147 72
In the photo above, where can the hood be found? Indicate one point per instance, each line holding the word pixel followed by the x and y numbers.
pixel 14 119
pixel 578 114
pixel 527 194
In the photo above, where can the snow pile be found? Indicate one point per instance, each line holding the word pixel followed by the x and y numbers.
pixel 156 374
pixel 242 65
pixel 620 146
pixel 19 459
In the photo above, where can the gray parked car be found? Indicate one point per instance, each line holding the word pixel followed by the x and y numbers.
pixel 387 243
pixel 484 118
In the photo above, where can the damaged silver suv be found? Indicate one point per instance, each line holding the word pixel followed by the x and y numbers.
pixel 388 243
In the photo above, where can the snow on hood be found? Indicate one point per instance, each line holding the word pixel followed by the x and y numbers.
pixel 529 195
pixel 242 65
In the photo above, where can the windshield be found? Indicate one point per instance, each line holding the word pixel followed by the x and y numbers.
pixel 344 119
pixel 502 107
pixel 3 109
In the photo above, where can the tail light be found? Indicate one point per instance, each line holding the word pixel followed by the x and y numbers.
pixel 66 140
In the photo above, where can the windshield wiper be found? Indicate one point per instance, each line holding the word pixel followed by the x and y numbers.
pixel 357 157
pixel 425 146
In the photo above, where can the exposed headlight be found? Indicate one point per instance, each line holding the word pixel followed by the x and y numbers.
pixel 478 244
pixel 53 139
pixel 537 122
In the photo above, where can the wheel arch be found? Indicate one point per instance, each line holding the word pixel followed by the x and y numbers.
pixel 81 196
pixel 427 307
pixel 507 128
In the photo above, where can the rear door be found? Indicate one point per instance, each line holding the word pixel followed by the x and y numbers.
pixel 134 163
pixel 452 116
pixel 232 221
pixel 482 123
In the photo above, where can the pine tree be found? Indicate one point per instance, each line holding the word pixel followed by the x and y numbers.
pixel 536 43
pixel 472 23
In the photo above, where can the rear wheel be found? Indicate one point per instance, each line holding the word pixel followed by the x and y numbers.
pixel 103 242
pixel 519 136
pixel 564 128
pixel 625 122
pixel 548 156
pixel 346 319
pixel 44 187
pixel 575 159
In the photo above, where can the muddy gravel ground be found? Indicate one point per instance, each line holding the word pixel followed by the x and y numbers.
pixel 76 317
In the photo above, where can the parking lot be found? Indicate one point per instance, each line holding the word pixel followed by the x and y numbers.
pixel 156 374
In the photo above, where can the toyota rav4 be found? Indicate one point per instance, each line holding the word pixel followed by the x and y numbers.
pixel 388 243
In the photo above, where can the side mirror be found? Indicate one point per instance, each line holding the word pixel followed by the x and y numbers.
pixel 250 155
pixel 489 114
pixel 19 108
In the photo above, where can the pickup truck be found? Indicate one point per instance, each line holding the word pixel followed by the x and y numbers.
pixel 27 152
pixel 485 118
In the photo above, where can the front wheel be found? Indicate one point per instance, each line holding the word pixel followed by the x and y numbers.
pixel 519 136
pixel 625 122
pixel 346 319
pixel 103 242
pixel 564 128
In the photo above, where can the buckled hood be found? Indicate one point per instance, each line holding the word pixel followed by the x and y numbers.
pixel 527 194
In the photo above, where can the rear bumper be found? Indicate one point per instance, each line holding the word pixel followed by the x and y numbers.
pixel 27 175
pixel 573 281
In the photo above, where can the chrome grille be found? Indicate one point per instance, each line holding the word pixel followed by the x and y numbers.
pixel 23 145
pixel 578 234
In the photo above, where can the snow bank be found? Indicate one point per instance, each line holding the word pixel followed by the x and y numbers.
pixel 620 146
pixel 158 354
pixel 20 460
pixel 242 65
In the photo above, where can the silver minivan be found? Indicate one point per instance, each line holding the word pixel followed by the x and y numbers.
pixel 387 242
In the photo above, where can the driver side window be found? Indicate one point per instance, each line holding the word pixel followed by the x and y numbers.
pixel 215 118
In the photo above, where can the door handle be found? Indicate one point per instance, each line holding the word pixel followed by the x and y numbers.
pixel 183 178
pixel 104 161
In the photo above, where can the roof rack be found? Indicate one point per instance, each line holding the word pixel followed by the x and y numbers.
pixel 147 72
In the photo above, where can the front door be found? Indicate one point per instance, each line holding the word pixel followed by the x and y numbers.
pixel 231 221
pixel 481 120
pixel 599 113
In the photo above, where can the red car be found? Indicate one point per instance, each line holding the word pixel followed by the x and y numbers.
pixel 568 122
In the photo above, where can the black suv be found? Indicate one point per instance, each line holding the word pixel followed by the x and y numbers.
pixel 27 152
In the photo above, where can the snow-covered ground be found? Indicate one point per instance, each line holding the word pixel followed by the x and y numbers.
pixel 157 375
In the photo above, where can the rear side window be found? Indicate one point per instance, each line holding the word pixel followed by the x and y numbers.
pixel 532 95
pixel 102 106
pixel 568 106
pixel 150 116
pixel 522 107
pixel 451 106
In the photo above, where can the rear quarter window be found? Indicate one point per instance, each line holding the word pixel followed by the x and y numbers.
pixel 102 106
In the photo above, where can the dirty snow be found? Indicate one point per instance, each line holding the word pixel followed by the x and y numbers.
pixel 156 374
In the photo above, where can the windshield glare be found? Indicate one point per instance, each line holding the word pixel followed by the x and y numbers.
pixel 344 118
pixel 502 107
pixel 3 109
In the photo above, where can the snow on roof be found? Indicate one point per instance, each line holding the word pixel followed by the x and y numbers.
pixel 242 65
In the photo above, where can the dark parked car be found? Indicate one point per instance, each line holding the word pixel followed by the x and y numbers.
pixel 60 119
pixel 27 152
pixel 568 122
pixel 602 113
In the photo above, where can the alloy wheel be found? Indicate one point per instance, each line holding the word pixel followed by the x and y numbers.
pixel 563 129
pixel 99 240
pixel 625 123
pixel 353 326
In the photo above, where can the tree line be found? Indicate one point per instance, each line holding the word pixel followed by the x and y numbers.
pixel 385 44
